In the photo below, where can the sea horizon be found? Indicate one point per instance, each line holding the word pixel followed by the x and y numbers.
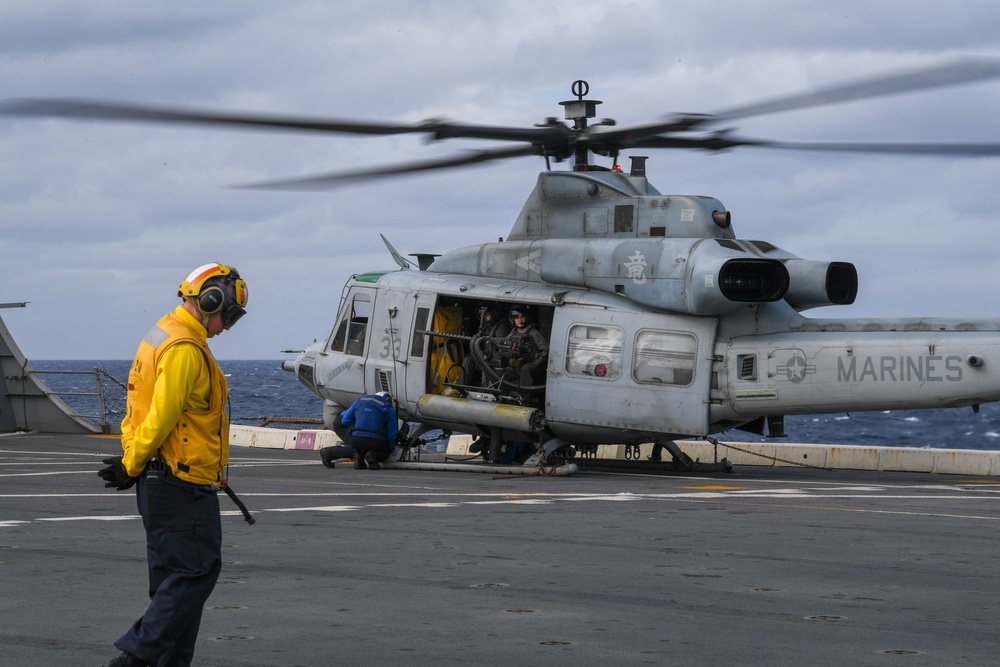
pixel 259 388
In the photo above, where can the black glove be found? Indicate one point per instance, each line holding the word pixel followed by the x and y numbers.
pixel 115 474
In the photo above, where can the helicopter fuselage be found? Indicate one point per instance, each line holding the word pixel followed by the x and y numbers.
pixel 620 372
pixel 659 324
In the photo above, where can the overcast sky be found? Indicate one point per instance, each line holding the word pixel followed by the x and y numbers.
pixel 100 223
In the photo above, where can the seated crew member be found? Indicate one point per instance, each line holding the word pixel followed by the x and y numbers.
pixel 494 324
pixel 491 324
pixel 529 368
pixel 374 428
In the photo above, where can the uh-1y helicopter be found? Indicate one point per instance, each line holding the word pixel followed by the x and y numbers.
pixel 659 322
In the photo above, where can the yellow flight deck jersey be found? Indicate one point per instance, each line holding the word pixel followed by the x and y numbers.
pixel 176 403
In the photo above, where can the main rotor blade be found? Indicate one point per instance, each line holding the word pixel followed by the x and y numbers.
pixel 111 111
pixel 83 109
pixel 721 142
pixel 958 150
pixel 336 179
pixel 963 71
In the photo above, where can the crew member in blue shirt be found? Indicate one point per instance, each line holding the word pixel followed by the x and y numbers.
pixel 374 427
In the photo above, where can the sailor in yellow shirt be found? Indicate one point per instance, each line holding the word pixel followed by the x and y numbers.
pixel 175 441
pixel 177 411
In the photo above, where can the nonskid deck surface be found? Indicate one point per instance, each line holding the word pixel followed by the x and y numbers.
pixel 761 566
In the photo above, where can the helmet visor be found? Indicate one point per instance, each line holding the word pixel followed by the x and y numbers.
pixel 231 313
pixel 235 307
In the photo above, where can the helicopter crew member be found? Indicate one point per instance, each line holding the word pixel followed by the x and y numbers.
pixel 531 365
pixel 494 324
pixel 374 431
pixel 175 439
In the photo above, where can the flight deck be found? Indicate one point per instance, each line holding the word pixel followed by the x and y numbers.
pixel 761 566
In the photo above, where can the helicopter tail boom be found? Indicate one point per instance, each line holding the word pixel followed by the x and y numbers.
pixel 852 368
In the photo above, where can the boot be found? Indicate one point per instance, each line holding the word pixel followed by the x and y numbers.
pixel 326 455
pixel 126 660
pixel 359 461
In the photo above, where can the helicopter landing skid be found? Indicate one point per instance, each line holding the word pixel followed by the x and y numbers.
pixel 654 467
pixel 680 462
pixel 560 469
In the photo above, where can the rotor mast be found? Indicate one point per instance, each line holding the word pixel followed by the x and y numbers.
pixel 578 111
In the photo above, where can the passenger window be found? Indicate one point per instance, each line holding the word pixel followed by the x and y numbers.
pixel 417 349
pixel 664 357
pixel 594 351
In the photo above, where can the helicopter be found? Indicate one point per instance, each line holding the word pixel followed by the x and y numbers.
pixel 653 322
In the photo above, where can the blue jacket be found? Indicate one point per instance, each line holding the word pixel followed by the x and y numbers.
pixel 373 417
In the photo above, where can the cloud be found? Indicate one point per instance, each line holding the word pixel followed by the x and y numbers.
pixel 100 222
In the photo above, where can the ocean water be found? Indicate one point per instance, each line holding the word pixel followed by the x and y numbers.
pixel 259 388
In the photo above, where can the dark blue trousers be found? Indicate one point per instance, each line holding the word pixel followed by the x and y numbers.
pixel 364 445
pixel 184 555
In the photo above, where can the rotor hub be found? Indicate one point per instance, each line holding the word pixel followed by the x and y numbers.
pixel 580 109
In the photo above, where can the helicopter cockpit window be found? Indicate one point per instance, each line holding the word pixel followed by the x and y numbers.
pixel 350 334
pixel 594 351
pixel 664 357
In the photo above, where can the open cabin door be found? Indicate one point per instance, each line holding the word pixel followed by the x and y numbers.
pixel 625 370
pixel 418 349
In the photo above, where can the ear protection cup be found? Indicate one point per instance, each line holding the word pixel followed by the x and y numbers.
pixel 211 299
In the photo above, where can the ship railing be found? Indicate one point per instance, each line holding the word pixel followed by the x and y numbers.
pixel 109 391
pixel 283 422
